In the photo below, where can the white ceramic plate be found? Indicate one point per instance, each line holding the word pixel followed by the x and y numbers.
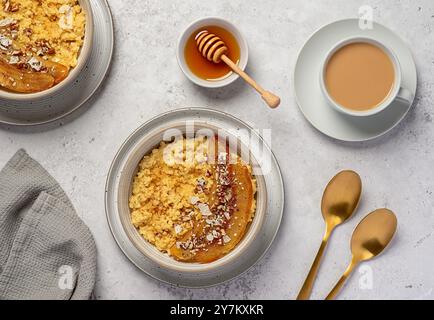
pixel 315 107
pixel 66 101
pixel 198 277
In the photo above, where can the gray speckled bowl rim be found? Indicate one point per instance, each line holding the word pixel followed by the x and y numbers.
pixel 126 245
pixel 106 13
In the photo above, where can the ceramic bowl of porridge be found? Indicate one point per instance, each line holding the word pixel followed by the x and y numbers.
pixel 193 198
pixel 44 45
pixel 188 200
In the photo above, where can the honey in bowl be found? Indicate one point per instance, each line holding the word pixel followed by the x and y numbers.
pixel 209 70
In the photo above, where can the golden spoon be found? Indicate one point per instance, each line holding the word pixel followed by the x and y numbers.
pixel 214 49
pixel 369 239
pixel 340 200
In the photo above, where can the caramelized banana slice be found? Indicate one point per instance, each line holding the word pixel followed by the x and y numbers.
pixel 57 70
pixel 237 225
pixel 240 219
pixel 15 80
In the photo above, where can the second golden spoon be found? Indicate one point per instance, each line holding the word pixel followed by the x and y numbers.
pixel 371 236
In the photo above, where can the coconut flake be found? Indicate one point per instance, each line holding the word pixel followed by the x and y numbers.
pixel 226 238
pixel 14 60
pixel 178 229
pixel 227 215
pixel 66 21
pixel 204 209
pixel 5 42
pixel 194 200
pixel 35 64
pixel 7 22
pixel 201 182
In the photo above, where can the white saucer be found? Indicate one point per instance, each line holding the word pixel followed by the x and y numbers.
pixel 65 102
pixel 312 102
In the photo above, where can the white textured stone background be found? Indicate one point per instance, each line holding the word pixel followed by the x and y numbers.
pixel 397 169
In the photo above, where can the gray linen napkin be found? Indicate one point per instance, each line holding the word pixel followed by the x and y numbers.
pixel 46 251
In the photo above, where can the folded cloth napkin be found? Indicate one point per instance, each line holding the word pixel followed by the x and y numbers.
pixel 46 251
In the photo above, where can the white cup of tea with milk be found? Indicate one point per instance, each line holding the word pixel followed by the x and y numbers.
pixel 362 77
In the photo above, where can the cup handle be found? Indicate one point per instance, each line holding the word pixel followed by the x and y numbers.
pixel 404 96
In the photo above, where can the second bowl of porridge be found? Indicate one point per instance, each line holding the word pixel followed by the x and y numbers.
pixel 193 198
pixel 191 201
pixel 44 45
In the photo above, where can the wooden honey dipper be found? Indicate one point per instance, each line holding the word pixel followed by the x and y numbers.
pixel 214 49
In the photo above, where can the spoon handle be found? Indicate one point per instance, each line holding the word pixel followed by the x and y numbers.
pixel 337 288
pixel 271 99
pixel 306 290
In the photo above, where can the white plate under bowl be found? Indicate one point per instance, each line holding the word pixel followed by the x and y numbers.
pixel 313 104
pixel 72 97
pixel 165 269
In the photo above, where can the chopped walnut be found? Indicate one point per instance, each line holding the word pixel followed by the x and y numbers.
pixel 28 32
pixel 8 6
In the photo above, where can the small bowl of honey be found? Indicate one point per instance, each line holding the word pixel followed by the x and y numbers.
pixel 198 68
